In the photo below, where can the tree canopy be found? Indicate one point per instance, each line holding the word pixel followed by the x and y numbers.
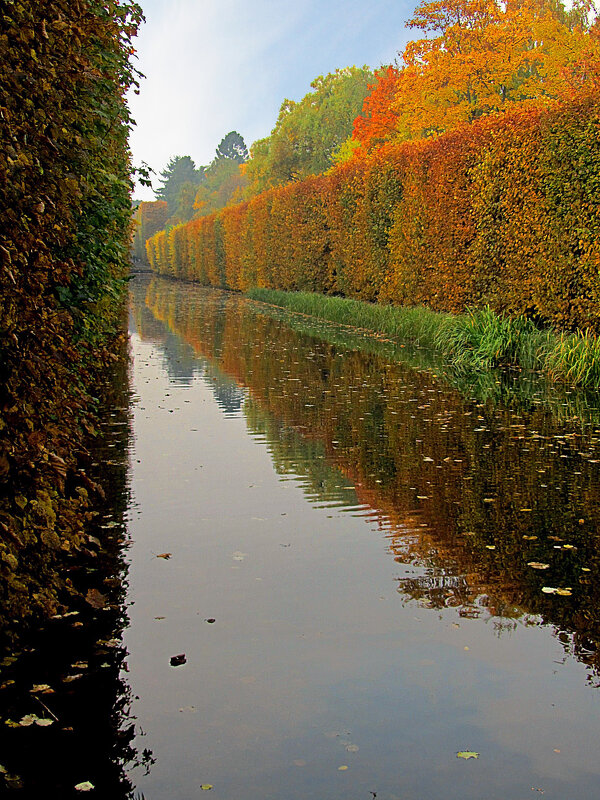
pixel 233 147
pixel 308 133
pixel 479 57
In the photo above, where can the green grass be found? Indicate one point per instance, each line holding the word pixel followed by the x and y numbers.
pixel 477 340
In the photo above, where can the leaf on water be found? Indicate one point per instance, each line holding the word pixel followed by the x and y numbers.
pixel 490 546
pixel 537 565
pixel 530 538
pixel 177 661
pixel 343 768
pixel 86 786
pixel 41 688
pixel 3 770
pixel 211 620
pixel 565 592
pixel 569 547
pixel 95 598
pixel 43 723
pixel 206 787
pixel 549 590
pixel 467 754
pixel 166 556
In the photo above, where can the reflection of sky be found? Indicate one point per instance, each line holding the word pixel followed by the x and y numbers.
pixel 313 649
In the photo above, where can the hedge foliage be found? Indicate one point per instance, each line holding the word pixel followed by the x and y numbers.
pixel 64 256
pixel 503 212
pixel 148 218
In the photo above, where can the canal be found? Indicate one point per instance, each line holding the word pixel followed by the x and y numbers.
pixel 340 572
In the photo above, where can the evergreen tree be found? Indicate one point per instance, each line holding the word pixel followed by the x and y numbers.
pixel 233 147
pixel 180 171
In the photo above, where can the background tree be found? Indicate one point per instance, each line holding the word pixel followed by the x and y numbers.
pixel 308 133
pixel 233 147
pixel 178 180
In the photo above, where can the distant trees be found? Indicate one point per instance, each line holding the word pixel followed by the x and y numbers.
pixel 233 147
pixel 308 133
pixel 178 183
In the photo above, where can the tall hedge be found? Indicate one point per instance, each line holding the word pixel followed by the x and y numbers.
pixel 503 212
pixel 64 250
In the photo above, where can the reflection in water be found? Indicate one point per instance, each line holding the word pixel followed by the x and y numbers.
pixel 491 509
pixel 70 672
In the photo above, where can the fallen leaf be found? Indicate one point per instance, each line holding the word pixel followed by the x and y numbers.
pixel 166 556
pixel 342 768
pixel 177 661
pixel 86 786
pixel 211 620
pixel 41 688
pixel 537 565
pixel 467 754
pixel 206 787
pixel 95 598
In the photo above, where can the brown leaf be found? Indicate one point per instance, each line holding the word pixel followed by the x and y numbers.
pixel 95 598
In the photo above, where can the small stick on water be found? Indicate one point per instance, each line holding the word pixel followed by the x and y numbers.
pixel 52 714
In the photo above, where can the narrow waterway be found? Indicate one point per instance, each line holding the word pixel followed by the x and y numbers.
pixel 367 571
pixel 326 568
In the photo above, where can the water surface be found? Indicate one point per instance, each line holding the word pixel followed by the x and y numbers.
pixel 368 570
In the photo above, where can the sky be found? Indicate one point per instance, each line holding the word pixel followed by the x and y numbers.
pixel 213 66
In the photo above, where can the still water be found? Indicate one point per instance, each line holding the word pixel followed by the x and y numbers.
pixel 367 565
pixel 372 545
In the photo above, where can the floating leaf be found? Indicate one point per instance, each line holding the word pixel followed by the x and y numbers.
pixel 95 598
pixel 166 556
pixel 86 786
pixel 342 768
pixel 537 565
pixel 177 661
pixel 206 787
pixel 467 754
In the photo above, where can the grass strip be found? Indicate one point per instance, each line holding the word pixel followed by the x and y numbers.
pixel 477 340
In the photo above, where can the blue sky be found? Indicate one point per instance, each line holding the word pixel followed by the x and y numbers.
pixel 213 66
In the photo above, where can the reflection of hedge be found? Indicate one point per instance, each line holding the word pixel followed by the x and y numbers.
pixel 505 212
pixel 492 475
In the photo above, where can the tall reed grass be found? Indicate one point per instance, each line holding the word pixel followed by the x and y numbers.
pixel 477 340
